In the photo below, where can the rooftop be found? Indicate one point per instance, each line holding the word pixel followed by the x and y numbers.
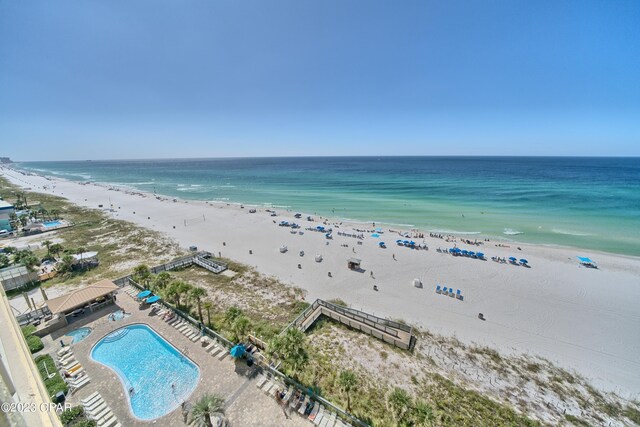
pixel 81 297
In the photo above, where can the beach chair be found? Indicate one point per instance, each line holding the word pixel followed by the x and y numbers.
pixel 303 404
pixel 451 294
pixel 319 416
pixel 438 289
pixel 261 380
pixel 459 295
pixel 89 398
pixel 63 351
pixel 84 381
pixel 445 291
pixel 314 412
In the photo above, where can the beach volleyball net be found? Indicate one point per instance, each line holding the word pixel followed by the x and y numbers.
pixel 193 221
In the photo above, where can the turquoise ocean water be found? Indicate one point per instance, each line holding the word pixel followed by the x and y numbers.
pixel 588 203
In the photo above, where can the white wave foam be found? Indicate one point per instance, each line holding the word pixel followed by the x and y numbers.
pixel 511 232
pixel 569 232
pixel 456 232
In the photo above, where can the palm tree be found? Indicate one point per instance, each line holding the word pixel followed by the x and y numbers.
pixel 290 348
pixel 208 305
pixel 24 219
pixel 55 249
pixel 208 411
pixel 185 289
pixel 197 293
pixel 239 328
pixel 66 264
pixel 80 251
pixel 55 214
pixel 231 314
pixel 173 294
pixel 398 403
pixel 13 219
pixel 162 280
pixel 348 382
pixel 47 244
pixel 141 273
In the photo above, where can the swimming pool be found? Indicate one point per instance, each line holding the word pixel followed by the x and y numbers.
pixel 79 334
pixel 161 377
pixel 49 224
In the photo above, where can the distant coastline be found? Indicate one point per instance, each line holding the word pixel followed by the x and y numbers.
pixel 589 203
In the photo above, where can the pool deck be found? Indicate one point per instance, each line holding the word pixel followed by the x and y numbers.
pixel 246 404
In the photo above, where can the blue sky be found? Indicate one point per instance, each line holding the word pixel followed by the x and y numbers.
pixel 155 78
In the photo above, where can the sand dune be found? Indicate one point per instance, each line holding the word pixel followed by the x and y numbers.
pixel 582 319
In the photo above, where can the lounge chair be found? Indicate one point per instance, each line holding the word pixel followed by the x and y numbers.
pixel 319 416
pixel 77 386
pixel 89 398
pixel 261 381
pixel 303 404
pixel 314 411
pixel 63 351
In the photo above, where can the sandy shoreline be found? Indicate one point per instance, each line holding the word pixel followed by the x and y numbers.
pixel 582 319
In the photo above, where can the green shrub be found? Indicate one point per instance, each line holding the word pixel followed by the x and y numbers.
pixel 69 416
pixel 55 384
pixel 28 330
pixel 85 423
pixel 34 343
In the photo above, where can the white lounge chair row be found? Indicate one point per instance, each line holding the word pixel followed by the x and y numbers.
pixel 300 402
pixel 97 409
pixel 186 329
pixel 218 350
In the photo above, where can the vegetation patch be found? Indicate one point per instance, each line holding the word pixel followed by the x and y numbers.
pixel 47 366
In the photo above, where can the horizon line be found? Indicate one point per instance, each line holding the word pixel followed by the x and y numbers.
pixel 330 157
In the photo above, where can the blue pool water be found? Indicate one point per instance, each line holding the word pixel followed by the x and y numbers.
pixel 51 223
pixel 150 365
pixel 79 334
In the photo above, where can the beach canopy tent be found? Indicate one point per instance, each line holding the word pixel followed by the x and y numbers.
pixel 144 294
pixel 375 235
pixel 354 263
pixel 238 350
pixel 153 299
pixel 79 298
pixel 586 261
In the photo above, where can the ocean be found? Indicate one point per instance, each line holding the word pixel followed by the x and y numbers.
pixel 586 203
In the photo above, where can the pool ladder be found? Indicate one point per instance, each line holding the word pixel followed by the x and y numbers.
pixel 116 335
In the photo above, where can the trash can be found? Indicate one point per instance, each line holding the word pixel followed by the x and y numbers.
pixel 59 397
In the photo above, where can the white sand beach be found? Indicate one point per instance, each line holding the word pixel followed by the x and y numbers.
pixel 582 319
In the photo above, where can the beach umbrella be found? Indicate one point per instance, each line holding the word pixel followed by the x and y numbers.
pixel 471 253
pixel 524 261
pixel 457 250
pixel 379 230
pixel 480 255
pixel 512 258
pixel 406 242
pixel 464 251
pixel 376 235
pixel 238 351
pixel 144 294
pixel 412 243
pixel 381 243
pixel 153 299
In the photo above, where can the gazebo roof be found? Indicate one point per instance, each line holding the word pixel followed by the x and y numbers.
pixel 81 297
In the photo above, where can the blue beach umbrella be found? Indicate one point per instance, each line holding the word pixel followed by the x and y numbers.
pixel 464 251
pixel 144 294
pixel 153 299
pixel 379 230
pixel 471 253
pixel 524 261
pixel 381 244
pixel 376 235
pixel 480 255
pixel 237 350
pixel 406 242
pixel 512 258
